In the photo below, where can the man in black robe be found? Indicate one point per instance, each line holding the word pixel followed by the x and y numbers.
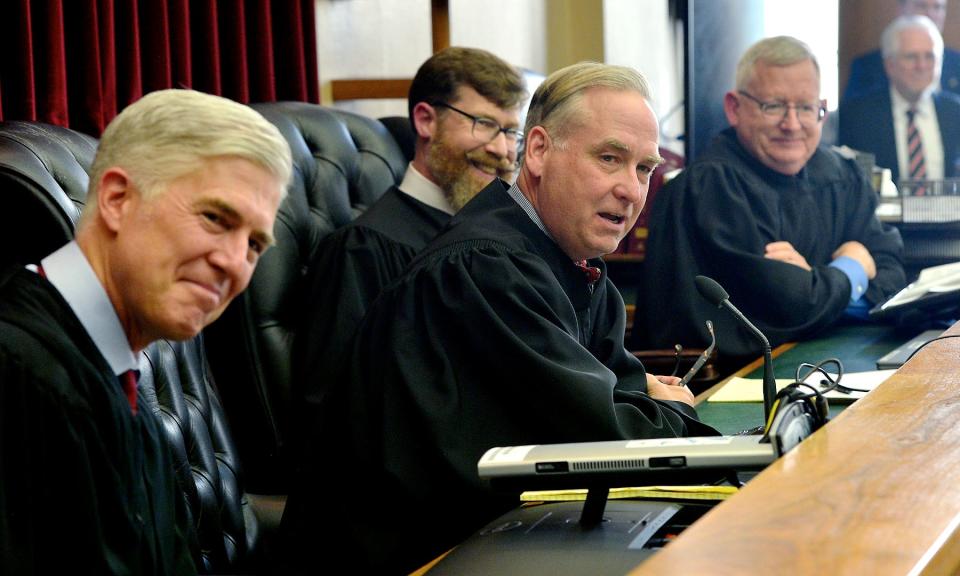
pixel 464 107
pixel 504 331
pixel 184 191
pixel 787 227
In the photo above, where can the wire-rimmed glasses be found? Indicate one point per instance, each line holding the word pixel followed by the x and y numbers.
pixel 807 113
pixel 486 129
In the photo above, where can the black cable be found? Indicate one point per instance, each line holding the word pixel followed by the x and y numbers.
pixel 818 367
pixel 829 384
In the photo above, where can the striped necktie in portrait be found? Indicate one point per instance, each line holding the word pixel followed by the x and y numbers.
pixel 917 167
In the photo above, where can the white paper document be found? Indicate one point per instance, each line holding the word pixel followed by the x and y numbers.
pixel 943 278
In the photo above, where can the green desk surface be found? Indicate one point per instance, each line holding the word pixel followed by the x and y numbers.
pixel 857 346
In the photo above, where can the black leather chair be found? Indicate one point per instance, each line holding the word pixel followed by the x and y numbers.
pixel 343 162
pixel 43 183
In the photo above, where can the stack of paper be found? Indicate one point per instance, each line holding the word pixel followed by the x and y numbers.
pixel 936 279
pixel 656 492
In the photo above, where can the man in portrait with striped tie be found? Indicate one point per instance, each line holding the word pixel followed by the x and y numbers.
pixel 181 202
pixel 911 127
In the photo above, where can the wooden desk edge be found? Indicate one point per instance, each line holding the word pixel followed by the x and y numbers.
pixel 427 567
pixel 853 497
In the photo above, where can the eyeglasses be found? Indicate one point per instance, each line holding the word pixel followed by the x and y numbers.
pixel 486 129
pixel 806 113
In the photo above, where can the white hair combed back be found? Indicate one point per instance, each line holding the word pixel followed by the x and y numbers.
pixel 170 133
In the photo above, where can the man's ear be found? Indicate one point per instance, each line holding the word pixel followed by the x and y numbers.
pixel 537 145
pixel 425 120
pixel 731 107
pixel 115 196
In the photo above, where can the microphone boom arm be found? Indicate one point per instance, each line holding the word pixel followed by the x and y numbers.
pixel 769 383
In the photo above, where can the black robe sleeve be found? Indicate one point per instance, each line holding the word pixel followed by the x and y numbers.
pixel 353 266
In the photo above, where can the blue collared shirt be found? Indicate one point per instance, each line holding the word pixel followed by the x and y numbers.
pixel 858 305
pixel 70 273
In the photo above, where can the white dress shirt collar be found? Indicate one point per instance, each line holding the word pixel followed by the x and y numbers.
pixel 418 186
pixel 70 273
pixel 923 106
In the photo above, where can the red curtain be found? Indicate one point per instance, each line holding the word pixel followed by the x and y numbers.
pixel 76 63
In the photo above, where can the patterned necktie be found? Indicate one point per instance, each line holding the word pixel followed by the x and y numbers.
pixel 592 272
pixel 917 167
pixel 129 381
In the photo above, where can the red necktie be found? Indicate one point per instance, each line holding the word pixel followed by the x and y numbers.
pixel 592 272
pixel 129 381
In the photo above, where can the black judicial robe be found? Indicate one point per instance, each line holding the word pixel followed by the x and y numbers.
pixel 716 217
pixel 351 268
pixel 490 338
pixel 85 487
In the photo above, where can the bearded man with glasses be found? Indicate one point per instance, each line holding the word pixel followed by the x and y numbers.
pixel 464 107
pixel 787 227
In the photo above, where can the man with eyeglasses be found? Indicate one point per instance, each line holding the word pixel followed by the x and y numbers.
pixel 910 127
pixel 868 73
pixel 786 226
pixel 505 330
pixel 464 108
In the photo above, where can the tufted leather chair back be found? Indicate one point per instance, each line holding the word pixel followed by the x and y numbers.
pixel 175 382
pixel 343 162
pixel 43 183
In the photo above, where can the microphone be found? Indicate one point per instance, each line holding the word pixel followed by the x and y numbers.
pixel 716 295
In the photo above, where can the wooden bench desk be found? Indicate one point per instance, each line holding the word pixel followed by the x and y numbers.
pixel 876 491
